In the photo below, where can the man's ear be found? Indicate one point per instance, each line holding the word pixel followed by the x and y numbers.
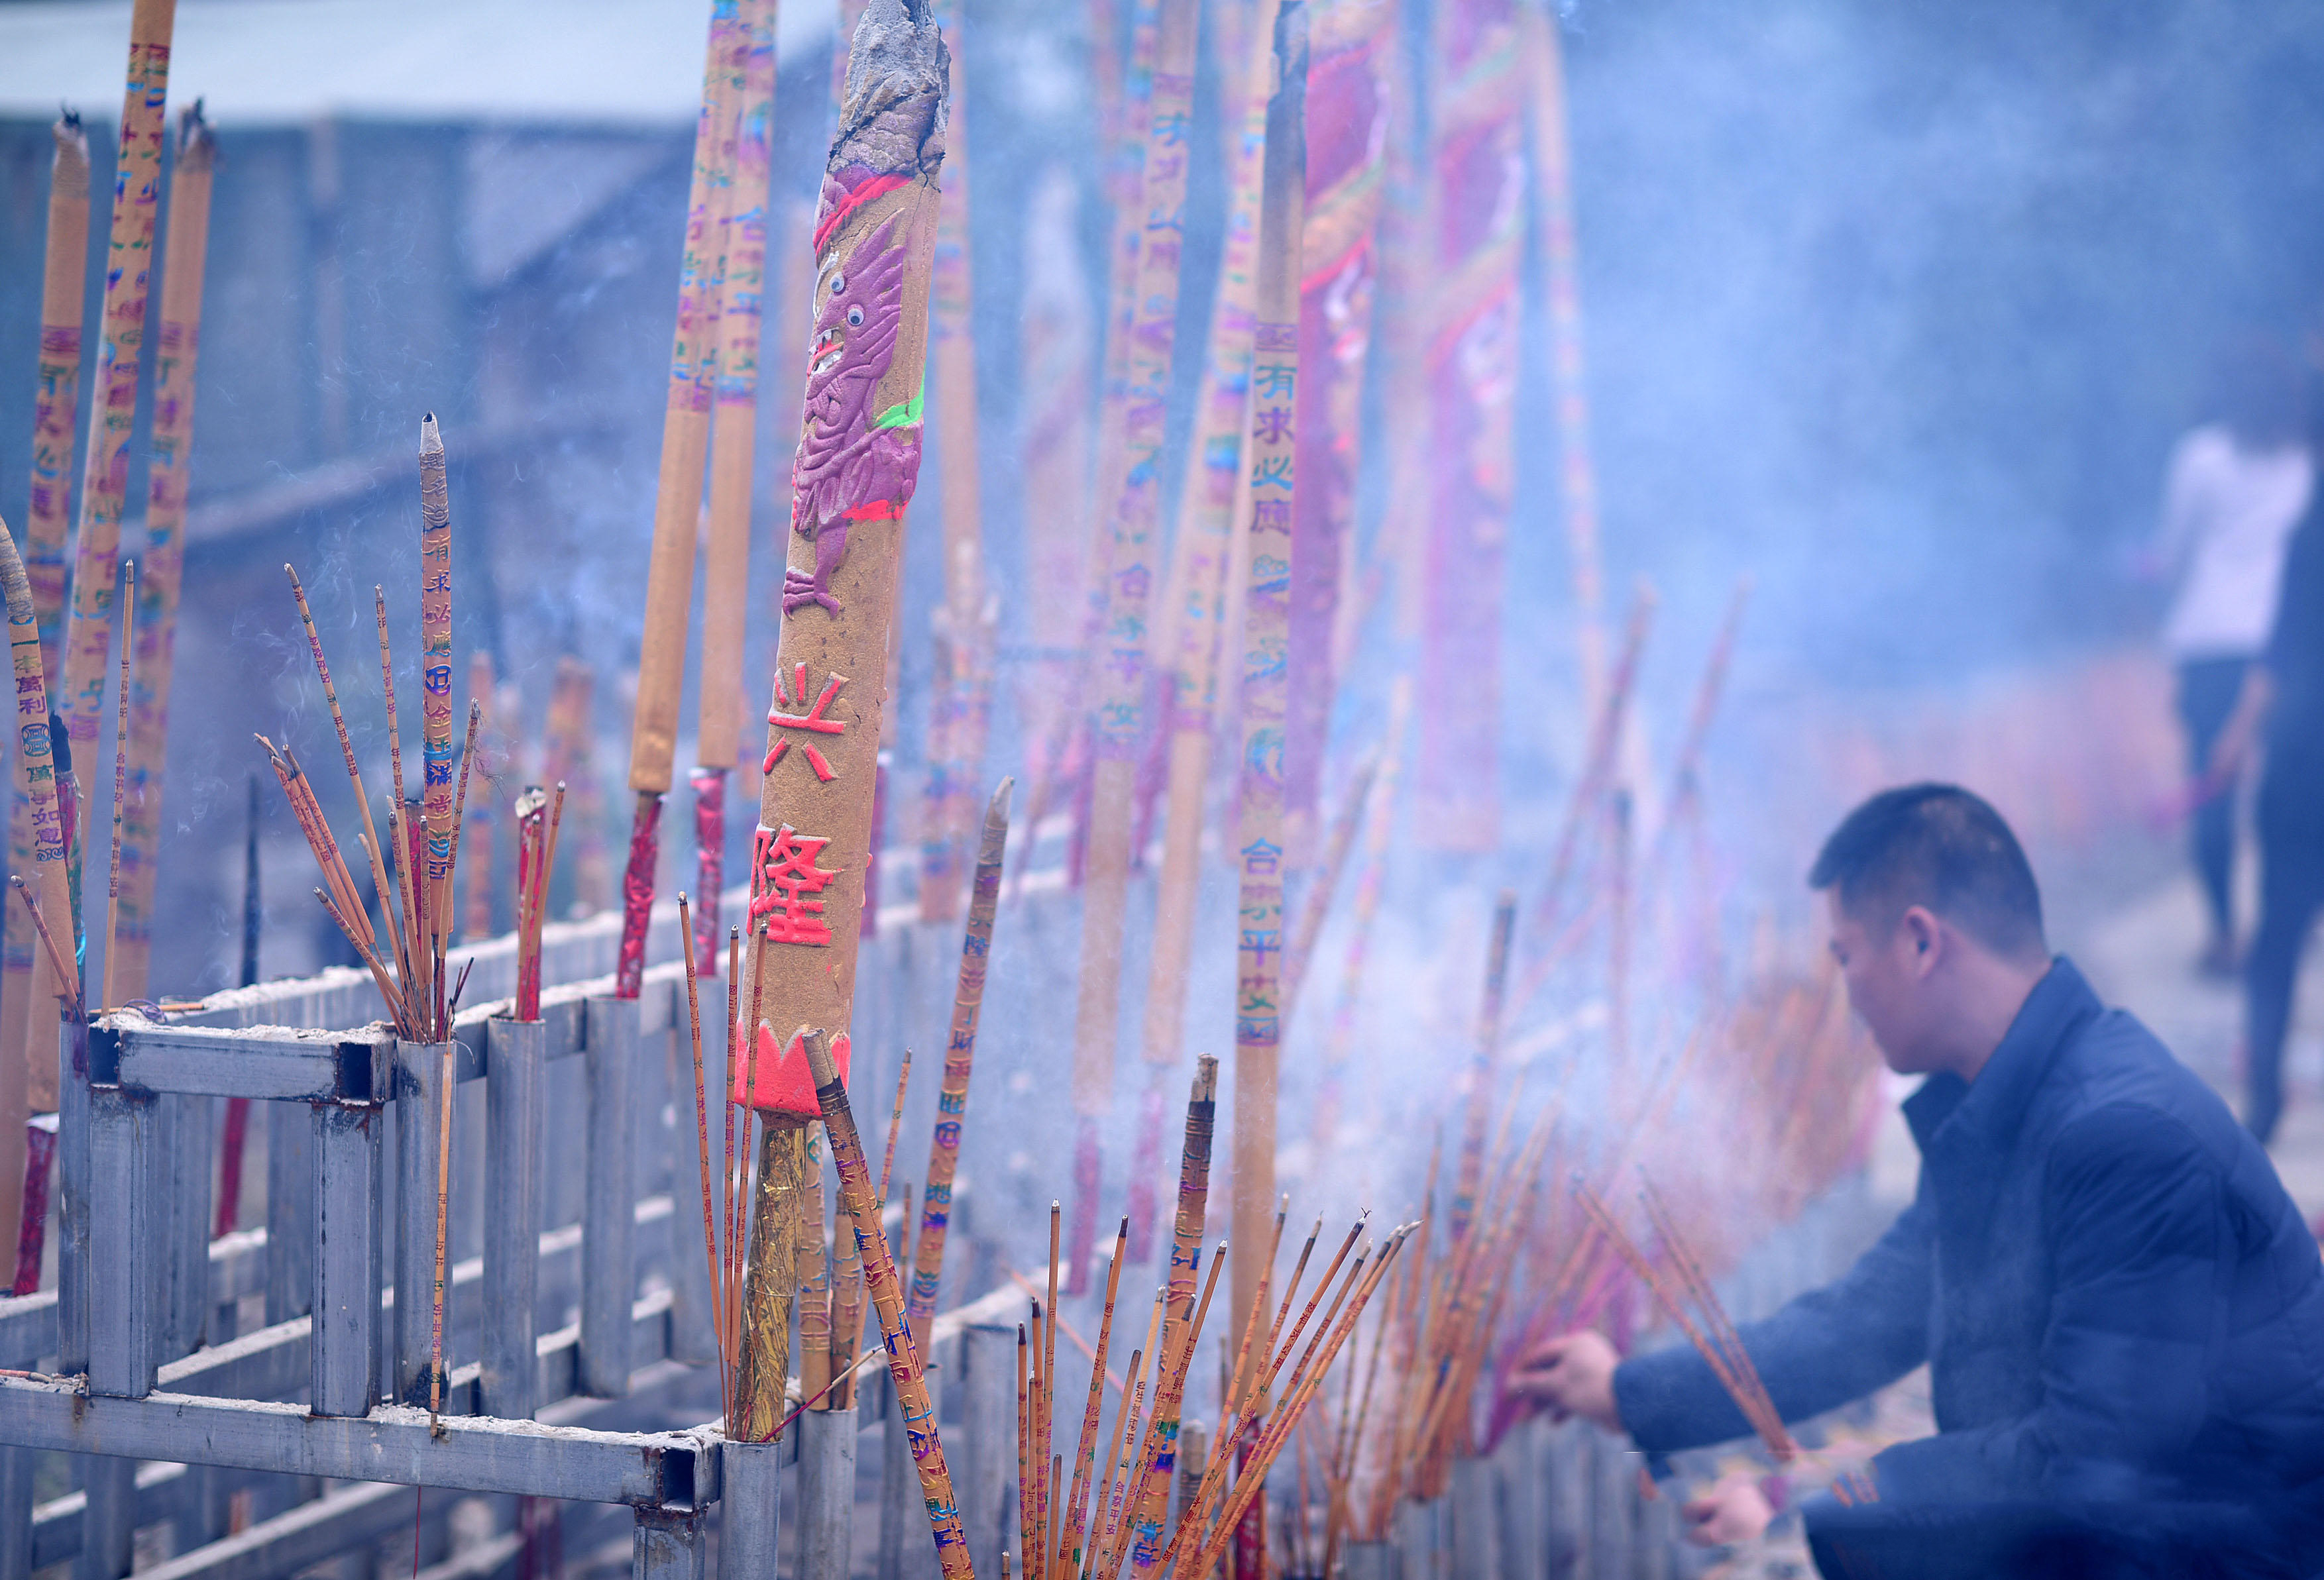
pixel 1922 936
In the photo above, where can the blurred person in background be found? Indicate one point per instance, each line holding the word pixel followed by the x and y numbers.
pixel 2282 709
pixel 2239 484
pixel 2120 1309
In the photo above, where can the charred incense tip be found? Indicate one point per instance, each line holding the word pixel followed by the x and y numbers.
pixel 1207 1079
pixel 893 109
pixel 197 144
pixel 431 439
pixel 70 172
pixel 818 1056
pixel 996 811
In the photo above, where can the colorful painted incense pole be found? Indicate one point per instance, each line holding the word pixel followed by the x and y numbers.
pixel 960 1059
pixel 880 1281
pixel 96 553
pixel 1266 630
pixel 1125 185
pixel 858 461
pixel 1207 546
pixel 1552 180
pixel 960 705
pixel 1484 1067
pixel 1471 373
pixel 1379 831
pixel 56 401
pixel 677 500
pixel 733 455
pixel 36 780
pixel 1054 350
pixel 436 682
pixel 1347 156
pixel 1134 512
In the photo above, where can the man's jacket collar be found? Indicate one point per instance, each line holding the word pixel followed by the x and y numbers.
pixel 1953 1119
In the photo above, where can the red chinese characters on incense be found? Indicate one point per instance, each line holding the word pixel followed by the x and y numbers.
pixel 1471 372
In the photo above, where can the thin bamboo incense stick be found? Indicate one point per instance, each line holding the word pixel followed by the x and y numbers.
pixel 887 1299
pixel 1316 908
pixel 382 889
pixel 733 459
pixel 1266 556
pixel 960 1056
pixel 71 999
pixel 155 604
pixel 1133 516
pixel 717 1284
pixel 476 913
pixel 120 790
pixel 129 243
pixel 1085 1449
pixel 1484 1067
pixel 408 896
pixel 677 500
pixel 56 402
pixel 895 1123
pixel 1339 1034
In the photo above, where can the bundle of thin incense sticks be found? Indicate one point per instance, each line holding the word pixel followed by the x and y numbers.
pixel 1091 1526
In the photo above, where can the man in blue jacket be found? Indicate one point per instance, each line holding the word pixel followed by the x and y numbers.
pixel 2121 1313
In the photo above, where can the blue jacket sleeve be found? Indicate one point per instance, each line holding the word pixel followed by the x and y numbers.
pixel 2137 1231
pixel 1828 1347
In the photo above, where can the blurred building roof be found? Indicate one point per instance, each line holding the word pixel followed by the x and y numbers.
pixel 257 62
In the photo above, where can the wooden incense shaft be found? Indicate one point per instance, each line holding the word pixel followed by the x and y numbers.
pixel 771 1278
pixel 36 781
pixel 436 677
pixel 845 1336
pixel 685 428
pixel 56 401
pixel 1472 365
pixel 1206 544
pixel 1347 143
pixel 858 461
pixel 961 704
pixel 1553 175
pixel 1266 630
pixel 858 1204
pixel 136 195
pixel 1484 1065
pixel 162 569
pixel 960 1059
pixel 1134 517
pixel 1151 1497
pixel 815 1275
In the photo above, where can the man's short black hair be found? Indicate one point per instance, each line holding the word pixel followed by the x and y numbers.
pixel 1937 846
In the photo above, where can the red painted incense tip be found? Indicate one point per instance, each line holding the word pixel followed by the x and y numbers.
pixel 781 1080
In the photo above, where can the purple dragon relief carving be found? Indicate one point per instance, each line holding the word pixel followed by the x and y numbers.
pixel 850 469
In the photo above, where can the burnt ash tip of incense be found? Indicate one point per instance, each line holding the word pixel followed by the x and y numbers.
pixel 899 91
pixel 196 144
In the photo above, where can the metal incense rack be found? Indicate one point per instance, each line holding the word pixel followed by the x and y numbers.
pixel 578 1335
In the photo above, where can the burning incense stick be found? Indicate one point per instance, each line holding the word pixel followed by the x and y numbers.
pixel 120 790
pixel 1379 827
pixel 1086 1462
pixel 1317 906
pixel 155 602
pixel 677 500
pixel 36 781
pixel 960 1057
pixel 70 998
pixel 1133 518
pixel 1266 556
pixel 136 196
pixel 1484 1065
pixel 887 1295
pixel 717 1284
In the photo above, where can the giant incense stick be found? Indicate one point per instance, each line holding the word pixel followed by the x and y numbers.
pixel 436 680
pixel 960 701
pixel 1553 177
pixel 163 568
pixel 678 500
pixel 1267 614
pixel 1206 545
pixel 1346 148
pixel 960 1056
pixel 726 583
pixel 56 400
pixel 1134 514
pixel 857 460
pixel 1471 373
pixel 136 192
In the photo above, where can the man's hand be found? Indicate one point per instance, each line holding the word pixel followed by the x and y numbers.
pixel 1733 1511
pixel 1574 1375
